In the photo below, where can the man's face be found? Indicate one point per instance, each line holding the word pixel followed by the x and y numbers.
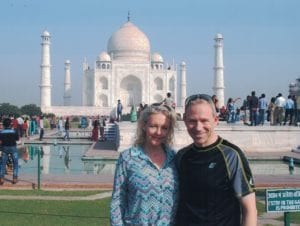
pixel 200 122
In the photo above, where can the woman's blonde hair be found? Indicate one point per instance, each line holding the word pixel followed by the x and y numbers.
pixel 144 117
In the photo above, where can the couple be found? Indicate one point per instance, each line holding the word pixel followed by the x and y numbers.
pixel 206 183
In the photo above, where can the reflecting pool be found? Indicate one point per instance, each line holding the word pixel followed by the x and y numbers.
pixel 67 160
pixel 60 160
pixel 273 167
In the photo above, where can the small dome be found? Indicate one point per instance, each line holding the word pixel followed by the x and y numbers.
pixel 218 36
pixel 67 62
pixel 46 33
pixel 129 42
pixel 103 57
pixel 156 57
pixel 183 63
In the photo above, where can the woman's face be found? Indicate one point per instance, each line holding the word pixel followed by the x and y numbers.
pixel 157 129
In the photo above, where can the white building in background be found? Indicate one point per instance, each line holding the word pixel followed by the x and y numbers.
pixel 45 85
pixel 219 87
pixel 67 84
pixel 127 71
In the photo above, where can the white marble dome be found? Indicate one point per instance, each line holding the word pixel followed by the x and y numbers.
pixel 129 42
pixel 219 36
pixel 46 33
pixel 156 57
pixel 103 57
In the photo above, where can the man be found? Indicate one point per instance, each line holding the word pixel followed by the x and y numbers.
pixel 67 129
pixel 8 138
pixel 253 105
pixel 262 108
pixel 102 125
pixel 289 110
pixel 169 101
pixel 216 184
pixel 41 127
pixel 119 110
pixel 279 109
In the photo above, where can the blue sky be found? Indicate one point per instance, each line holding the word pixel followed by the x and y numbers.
pixel 261 42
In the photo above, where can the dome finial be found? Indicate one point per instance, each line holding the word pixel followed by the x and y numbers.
pixel 128 16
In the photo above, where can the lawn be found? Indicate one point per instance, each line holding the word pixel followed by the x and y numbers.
pixel 73 213
pixel 44 213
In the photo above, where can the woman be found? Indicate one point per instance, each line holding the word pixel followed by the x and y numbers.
pixel 145 185
pixel 95 133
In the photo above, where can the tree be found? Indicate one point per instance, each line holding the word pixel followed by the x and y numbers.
pixel 31 110
pixel 8 109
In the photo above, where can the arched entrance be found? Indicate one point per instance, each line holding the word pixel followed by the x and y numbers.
pixel 130 91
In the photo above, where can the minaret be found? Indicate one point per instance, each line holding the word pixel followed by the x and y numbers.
pixel 45 85
pixel 219 70
pixel 183 82
pixel 67 84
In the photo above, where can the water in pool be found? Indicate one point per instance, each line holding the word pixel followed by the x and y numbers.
pixel 60 160
pixel 67 160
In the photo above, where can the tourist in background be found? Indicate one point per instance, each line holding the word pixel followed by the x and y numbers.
pixel 262 108
pixel 169 101
pixel 230 111
pixel 119 110
pixel 216 183
pixel 140 109
pixel 8 140
pixel 279 110
pixel 297 110
pixel 289 110
pixel 41 124
pixel 67 129
pixel 253 107
pixel 95 131
pixel 245 108
pixel 145 182
pixel 60 126
pixel 216 102
pixel 102 125
pixel 271 108
pixel 133 114
pixel 25 127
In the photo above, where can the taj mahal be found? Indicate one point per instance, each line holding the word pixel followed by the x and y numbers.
pixel 127 71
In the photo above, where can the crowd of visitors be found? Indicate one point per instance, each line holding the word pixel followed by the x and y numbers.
pixel 258 110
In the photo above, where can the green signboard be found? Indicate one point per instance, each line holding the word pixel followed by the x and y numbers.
pixel 283 200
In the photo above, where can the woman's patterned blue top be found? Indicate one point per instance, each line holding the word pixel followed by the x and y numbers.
pixel 144 194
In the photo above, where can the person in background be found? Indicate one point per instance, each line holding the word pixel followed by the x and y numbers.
pixel 216 183
pixel 119 110
pixel 253 107
pixel 262 108
pixel 67 129
pixel 271 109
pixel 8 140
pixel 169 101
pixel 102 125
pixel 25 127
pixel 145 184
pixel 216 102
pixel 279 109
pixel 289 110
pixel 95 133
pixel 139 110
pixel 60 126
pixel 245 109
pixel 41 127
pixel 297 110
